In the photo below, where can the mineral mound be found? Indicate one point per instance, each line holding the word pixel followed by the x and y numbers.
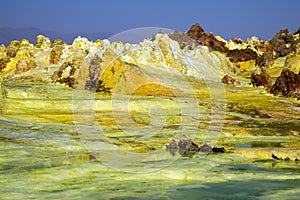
pixel 107 67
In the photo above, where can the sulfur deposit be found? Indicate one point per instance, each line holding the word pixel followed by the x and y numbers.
pixel 93 110
pixel 102 66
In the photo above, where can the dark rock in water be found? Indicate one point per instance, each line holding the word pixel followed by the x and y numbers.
pixel 188 145
pixel 184 147
pixel 189 148
pixel 287 159
pixel 218 149
pixel 193 147
pixel 261 78
pixel 172 145
pixel 287 84
pixel 229 80
pixel 284 42
pixel 206 148
pixel 184 144
pixel 275 157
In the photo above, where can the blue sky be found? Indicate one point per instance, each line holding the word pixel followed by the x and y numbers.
pixel 228 18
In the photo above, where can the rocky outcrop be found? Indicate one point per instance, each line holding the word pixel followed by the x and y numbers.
pixel 284 42
pixel 25 65
pixel 266 60
pixel 253 43
pixel 18 54
pixel 42 42
pixel 3 62
pixel 13 48
pixel 183 40
pixel 65 74
pixel 56 51
pixel 197 33
pixel 260 78
pixel 107 67
pixel 287 84
pixel 241 55
pixel 55 54
pixel 230 81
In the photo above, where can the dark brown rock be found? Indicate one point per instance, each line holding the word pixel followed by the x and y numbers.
pixel 260 78
pixel 195 31
pixel 229 80
pixel 3 62
pixel 240 55
pixel 212 43
pixel 183 40
pixel 287 84
pixel 265 60
pixel 284 42
pixel 218 149
pixel 187 148
pixel 275 157
pixel 237 40
pixel 265 47
pixel 13 48
pixel 69 80
pixel 55 54
pixel 94 74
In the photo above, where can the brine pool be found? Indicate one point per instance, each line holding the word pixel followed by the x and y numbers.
pixel 50 151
